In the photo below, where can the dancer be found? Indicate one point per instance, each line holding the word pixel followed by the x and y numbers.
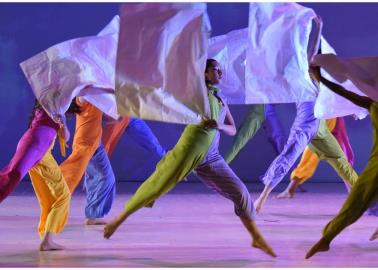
pixel 310 161
pixel 306 130
pixel 258 115
pixel 365 192
pixel 33 154
pixel 100 182
pixel 197 149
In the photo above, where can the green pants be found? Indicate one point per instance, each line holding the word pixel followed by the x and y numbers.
pixel 187 154
pixel 363 194
pixel 326 147
pixel 247 130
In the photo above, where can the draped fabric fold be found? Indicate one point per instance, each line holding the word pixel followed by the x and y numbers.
pixel 161 59
pixel 267 62
pixel 77 67
pixel 278 51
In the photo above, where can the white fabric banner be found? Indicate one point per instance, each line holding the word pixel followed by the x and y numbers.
pixel 161 60
pixel 277 58
pixel 78 67
pixel 330 105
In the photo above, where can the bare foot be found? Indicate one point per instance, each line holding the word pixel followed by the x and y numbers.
pixel 49 245
pixel 285 195
pixel 260 243
pixel 320 246
pixel 262 198
pixel 95 221
pixel 110 228
pixel 374 235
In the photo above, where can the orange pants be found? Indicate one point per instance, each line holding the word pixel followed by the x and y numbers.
pixel 86 141
pixel 52 193
pixel 113 131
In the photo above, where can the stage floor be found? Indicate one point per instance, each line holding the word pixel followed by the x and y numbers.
pixel 190 227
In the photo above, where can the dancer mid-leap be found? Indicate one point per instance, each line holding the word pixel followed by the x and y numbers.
pixel 197 150
pixel 365 192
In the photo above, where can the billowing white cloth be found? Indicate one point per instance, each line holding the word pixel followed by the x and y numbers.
pixel 230 51
pixel 161 60
pixel 78 67
pixel 277 58
pixel 330 105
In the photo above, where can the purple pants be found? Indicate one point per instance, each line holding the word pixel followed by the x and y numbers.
pixel 218 176
pixel 215 173
pixel 302 131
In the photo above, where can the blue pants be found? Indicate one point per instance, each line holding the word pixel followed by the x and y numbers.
pixel 99 176
pixel 273 128
pixel 143 136
pixel 99 185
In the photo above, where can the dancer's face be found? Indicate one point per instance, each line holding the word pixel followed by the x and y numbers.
pixel 214 74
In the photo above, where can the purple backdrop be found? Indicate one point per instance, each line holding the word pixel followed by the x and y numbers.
pixel 28 28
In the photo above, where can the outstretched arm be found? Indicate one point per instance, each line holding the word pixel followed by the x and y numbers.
pixel 361 101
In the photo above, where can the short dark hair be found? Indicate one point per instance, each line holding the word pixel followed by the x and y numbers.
pixel 74 108
pixel 210 63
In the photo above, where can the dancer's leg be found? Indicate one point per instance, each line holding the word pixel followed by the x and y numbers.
pixel 304 171
pixel 143 136
pixel 303 129
pixel 362 195
pixel 247 130
pixel 274 129
pixel 100 187
pixel 112 132
pixel 30 150
pixel 54 198
pixel 218 176
pixel 325 145
pixel 173 167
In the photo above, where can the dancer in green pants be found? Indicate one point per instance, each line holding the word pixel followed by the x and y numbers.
pixel 365 192
pixel 197 150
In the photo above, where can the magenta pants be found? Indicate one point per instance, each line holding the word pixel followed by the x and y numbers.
pixel 30 149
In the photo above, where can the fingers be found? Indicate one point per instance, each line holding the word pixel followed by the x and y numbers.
pixel 211 123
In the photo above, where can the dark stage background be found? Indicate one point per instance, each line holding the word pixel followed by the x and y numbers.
pixel 28 28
